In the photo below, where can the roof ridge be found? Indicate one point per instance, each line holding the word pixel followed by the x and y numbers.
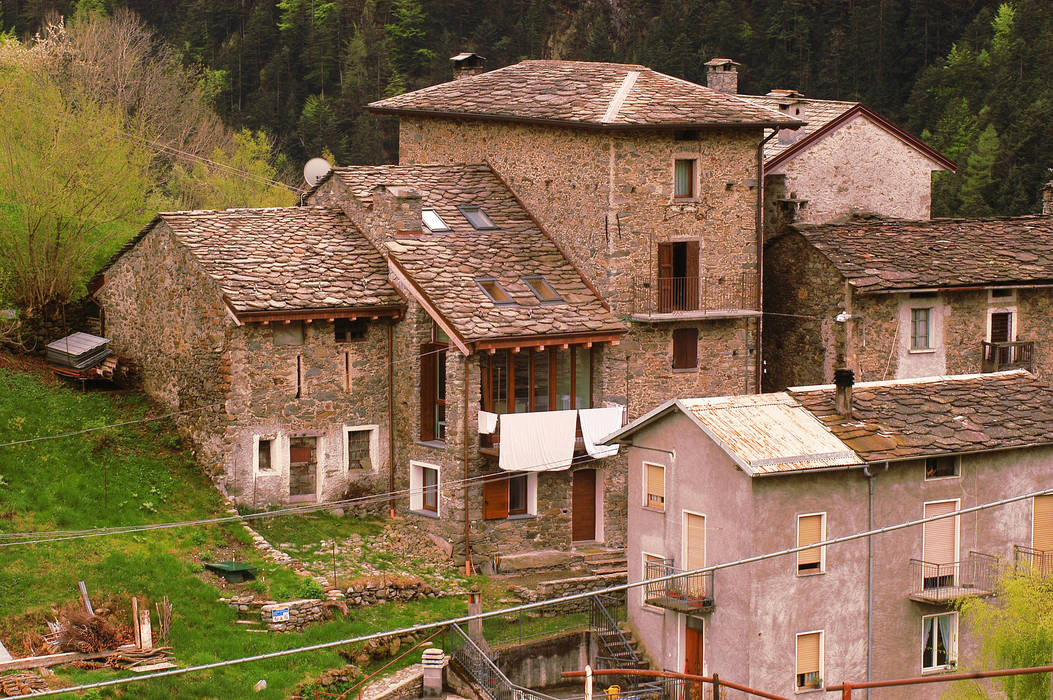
pixel 240 210
pixel 887 221
pixel 915 380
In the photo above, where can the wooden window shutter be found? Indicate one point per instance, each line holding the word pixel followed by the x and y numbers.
pixel 696 541
pixel 495 499
pixel 427 393
pixel 808 653
pixel 1001 327
pixel 655 486
pixel 685 348
pixel 665 277
pixel 1042 524
pixel 940 534
pixel 809 530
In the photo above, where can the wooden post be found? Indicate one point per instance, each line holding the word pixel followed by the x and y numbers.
pixel 146 633
pixel 84 597
pixel 135 623
pixel 846 691
pixel 716 687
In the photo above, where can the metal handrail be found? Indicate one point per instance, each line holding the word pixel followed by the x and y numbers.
pixel 482 669
pixel 692 590
pixel 1038 561
pixel 976 575
pixel 358 686
pixel 618 652
pixel 717 292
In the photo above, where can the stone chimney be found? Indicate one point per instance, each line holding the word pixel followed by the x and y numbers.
pixel 399 208
pixel 792 105
pixel 723 74
pixel 843 380
pixel 1047 198
pixel 467 64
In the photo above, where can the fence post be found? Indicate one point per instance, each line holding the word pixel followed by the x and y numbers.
pixel 716 687
pixel 846 691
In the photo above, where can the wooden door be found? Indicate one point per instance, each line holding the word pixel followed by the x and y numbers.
pixel 693 657
pixel 583 506
pixel 1002 332
pixel 689 296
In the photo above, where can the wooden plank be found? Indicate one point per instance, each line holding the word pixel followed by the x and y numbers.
pixel 51 660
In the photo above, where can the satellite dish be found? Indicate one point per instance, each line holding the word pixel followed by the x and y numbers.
pixel 316 169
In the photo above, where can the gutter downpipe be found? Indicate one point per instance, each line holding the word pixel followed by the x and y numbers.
pixel 467 521
pixel 870 566
pixel 391 421
pixel 760 257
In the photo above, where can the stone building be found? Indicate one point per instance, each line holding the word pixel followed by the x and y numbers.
pixel 846 159
pixel 900 299
pixel 648 183
pixel 715 480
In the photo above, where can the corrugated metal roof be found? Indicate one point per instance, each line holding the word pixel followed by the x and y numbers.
pixel 770 433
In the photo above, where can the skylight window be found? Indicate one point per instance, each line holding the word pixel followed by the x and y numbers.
pixel 542 289
pixel 433 221
pixel 478 218
pixel 493 289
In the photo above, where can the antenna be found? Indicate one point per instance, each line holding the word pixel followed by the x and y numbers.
pixel 316 169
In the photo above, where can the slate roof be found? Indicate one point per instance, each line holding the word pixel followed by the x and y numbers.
pixel 445 266
pixel 817 114
pixel 887 255
pixel 912 418
pixel 283 259
pixel 612 95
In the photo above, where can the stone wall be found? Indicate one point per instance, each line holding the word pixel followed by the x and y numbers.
pixel 858 167
pixel 301 613
pixel 558 588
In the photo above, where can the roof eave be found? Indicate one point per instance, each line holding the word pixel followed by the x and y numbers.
pixel 316 313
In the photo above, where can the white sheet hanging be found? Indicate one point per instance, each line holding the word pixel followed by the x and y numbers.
pixel 487 423
pixel 537 442
pixel 598 423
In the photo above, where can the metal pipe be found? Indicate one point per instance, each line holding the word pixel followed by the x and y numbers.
pixel 467 522
pixel 391 420
pixel 758 352
pixel 671 674
pixel 950 678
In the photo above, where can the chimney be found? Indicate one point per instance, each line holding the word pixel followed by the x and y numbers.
pixel 843 380
pixel 399 208
pixel 723 74
pixel 790 104
pixel 466 65
pixel 1047 199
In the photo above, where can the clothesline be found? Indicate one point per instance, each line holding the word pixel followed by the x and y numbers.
pixel 548 437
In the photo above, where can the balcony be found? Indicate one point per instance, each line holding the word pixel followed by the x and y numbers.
pixel 997 357
pixel 686 298
pixel 1037 561
pixel 691 593
pixel 945 583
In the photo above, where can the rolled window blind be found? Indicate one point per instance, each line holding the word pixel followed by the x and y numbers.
pixel 1042 534
pixel 655 486
pixel 809 530
pixel 940 535
pixel 696 541
pixel 808 653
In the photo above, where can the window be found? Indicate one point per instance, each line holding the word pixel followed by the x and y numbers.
pixel 654 486
pixel 507 494
pixel 809 669
pixel 542 289
pixel 359 445
pixel 478 218
pixel 1041 530
pixel 811 529
pixel 1001 327
pixel 536 380
pixel 288 333
pixel 424 488
pixel 493 289
pixel 433 392
pixel 941 467
pixel 348 330
pixel 684 178
pixel 939 641
pixel 939 546
pixel 264 456
pixel 920 329
pixel 433 221
pixel 678 285
pixel 517 494
pixel 1002 293
pixel 685 348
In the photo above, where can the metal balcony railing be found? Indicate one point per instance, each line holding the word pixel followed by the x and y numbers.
pixel 942 583
pixel 489 679
pixel 686 296
pixel 996 357
pixel 1037 561
pixel 687 593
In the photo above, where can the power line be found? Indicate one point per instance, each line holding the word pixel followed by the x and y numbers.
pixel 544 603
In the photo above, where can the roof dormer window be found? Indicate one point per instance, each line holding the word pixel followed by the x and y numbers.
pixel 433 221
pixel 493 289
pixel 542 289
pixel 477 218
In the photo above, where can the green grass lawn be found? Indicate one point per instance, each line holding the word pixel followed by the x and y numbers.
pixel 140 474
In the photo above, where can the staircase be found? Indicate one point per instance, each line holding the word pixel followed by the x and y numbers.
pixel 617 646
pixel 601 562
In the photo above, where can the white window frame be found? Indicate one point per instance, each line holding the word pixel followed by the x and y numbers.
pixel 930 308
pixel 1011 310
pixel 643 576
pixel 952 652
pixel 1007 299
pixel 822 662
pixel 822 549
pixel 665 473
pixel 683 537
pixel 957 469
pixel 279 453
pixel 531 496
pixel 696 178
pixel 417 489
pixel 374 447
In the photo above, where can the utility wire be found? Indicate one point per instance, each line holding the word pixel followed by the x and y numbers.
pixel 543 603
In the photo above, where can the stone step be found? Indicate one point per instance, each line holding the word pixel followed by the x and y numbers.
pixel 608 570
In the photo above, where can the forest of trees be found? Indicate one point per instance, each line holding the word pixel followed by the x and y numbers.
pixel 969 76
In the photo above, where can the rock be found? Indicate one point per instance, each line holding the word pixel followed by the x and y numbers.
pixel 260 686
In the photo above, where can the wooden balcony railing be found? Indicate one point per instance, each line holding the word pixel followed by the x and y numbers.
pixel 687 593
pixel 685 296
pixel 997 357
pixel 943 583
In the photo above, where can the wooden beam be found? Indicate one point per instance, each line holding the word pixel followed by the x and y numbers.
pixel 52 660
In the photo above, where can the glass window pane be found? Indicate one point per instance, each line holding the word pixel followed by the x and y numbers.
pixel 583 377
pixel 684 175
pixel 541 383
pixel 433 221
pixel 517 494
pixel 521 367
pixel 477 218
pixel 542 289
pixel 494 291
pixel 563 398
pixel 500 380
